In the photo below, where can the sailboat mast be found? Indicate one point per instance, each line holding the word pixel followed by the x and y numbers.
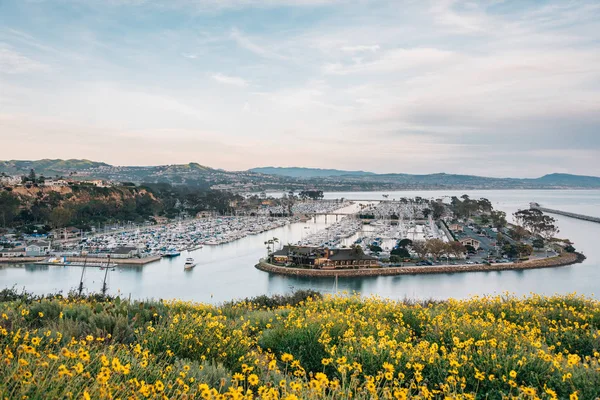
pixel 104 287
pixel 81 279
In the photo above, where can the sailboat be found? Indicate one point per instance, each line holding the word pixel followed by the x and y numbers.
pixel 189 263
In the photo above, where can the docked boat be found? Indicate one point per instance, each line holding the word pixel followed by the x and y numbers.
pixel 189 263
pixel 171 253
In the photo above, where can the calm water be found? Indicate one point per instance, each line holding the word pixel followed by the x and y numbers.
pixel 227 271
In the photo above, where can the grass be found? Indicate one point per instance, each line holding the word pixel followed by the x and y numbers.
pixel 299 346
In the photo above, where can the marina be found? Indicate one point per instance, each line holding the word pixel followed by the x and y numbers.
pixel 227 270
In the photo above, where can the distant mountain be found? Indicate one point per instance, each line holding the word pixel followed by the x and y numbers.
pixel 569 180
pixel 299 172
pixel 288 178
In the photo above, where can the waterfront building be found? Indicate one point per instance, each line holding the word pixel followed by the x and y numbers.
pixel 37 249
pixel 14 252
pixel 120 252
pixel 325 258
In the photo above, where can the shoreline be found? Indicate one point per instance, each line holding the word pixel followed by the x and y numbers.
pixel 118 261
pixel 551 262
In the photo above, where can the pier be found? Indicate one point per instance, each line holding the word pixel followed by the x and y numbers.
pixel 565 213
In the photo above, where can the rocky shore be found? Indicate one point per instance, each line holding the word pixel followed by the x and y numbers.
pixel 558 261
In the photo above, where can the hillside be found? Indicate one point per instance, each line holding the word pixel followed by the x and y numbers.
pixel 569 180
pixel 84 205
pixel 300 346
pixel 47 167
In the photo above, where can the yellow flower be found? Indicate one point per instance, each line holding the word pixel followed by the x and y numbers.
pixel 513 374
pixel 41 314
pixel 238 377
pixel 86 395
pixel 286 357
pixel 253 379
pixel 574 396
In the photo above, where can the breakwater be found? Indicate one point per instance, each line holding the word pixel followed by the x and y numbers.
pixel 566 213
pixel 558 261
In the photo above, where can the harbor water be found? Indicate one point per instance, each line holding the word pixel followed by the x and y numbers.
pixel 226 271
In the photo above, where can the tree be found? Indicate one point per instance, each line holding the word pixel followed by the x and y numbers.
pixel 537 222
pixel 420 248
pixel 438 209
pixel 500 239
pixel 498 219
pixel 394 259
pixel 436 248
pixel 375 248
pixel 400 252
pixel 404 243
pixel 518 233
pixel 9 208
pixel 311 194
pixel 470 249
pixel 510 250
pixel 524 249
pixel 356 250
pixel 538 243
pixel 456 249
pixel 60 217
pixel 31 177
pixel 569 248
pixel 426 212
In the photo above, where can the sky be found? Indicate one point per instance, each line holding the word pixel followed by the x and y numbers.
pixel 489 87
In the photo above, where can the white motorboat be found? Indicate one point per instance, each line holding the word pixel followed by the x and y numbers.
pixel 189 263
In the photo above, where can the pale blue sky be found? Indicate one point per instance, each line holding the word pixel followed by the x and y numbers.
pixel 500 88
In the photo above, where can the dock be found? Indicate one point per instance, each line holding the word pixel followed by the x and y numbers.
pixel 565 213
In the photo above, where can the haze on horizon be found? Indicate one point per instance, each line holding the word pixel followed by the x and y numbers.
pixel 490 87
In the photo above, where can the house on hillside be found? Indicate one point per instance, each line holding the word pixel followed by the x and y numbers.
pixel 207 214
pixel 38 248
pixel 66 233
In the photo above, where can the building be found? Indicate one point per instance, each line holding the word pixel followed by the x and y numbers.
pixel 349 258
pixel 14 252
pixel 37 249
pixel 66 233
pixel 56 183
pixel 456 228
pixel 470 242
pixel 206 214
pixel 99 183
pixel 124 252
pixel 10 180
pixel 321 257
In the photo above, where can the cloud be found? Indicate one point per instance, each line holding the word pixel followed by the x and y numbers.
pixel 230 80
pixel 393 61
pixel 13 62
pixel 246 43
pixel 437 81
pixel 360 48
